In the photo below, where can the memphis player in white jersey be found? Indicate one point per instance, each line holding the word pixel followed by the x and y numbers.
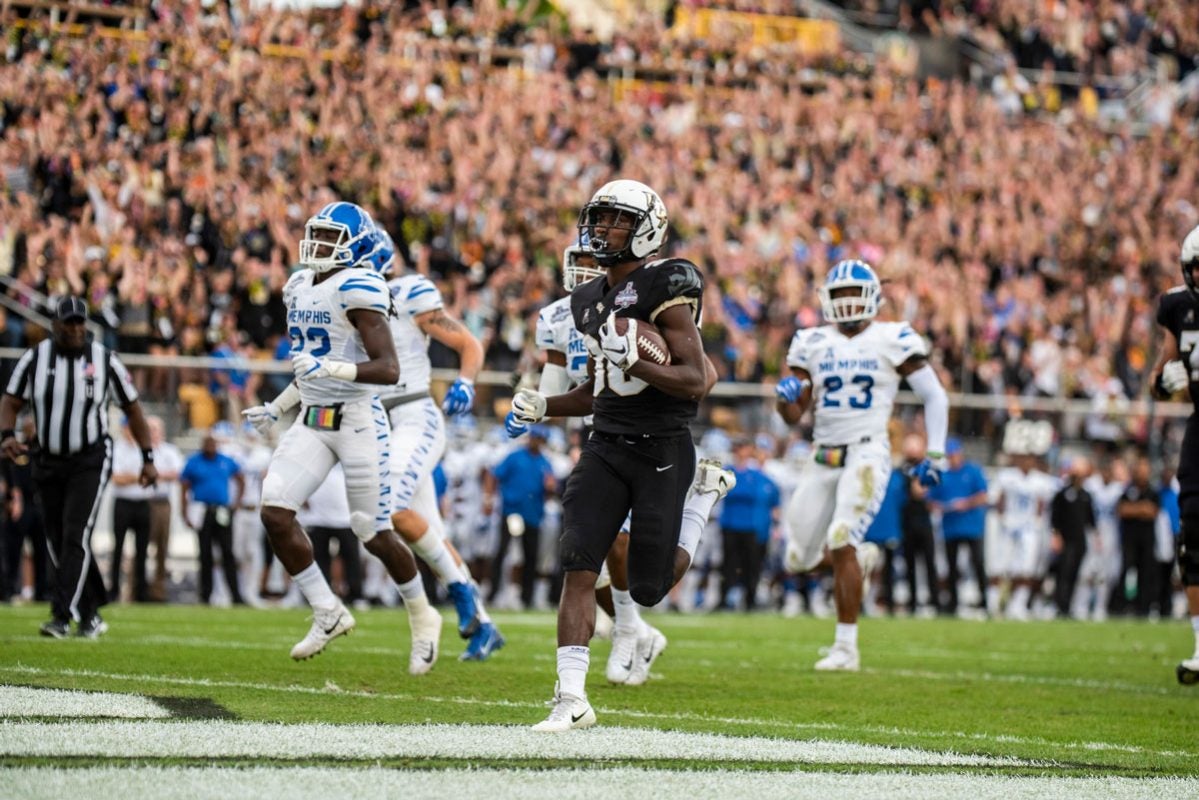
pixel 418 437
pixel 635 643
pixel 342 351
pixel 848 370
pixel 1024 496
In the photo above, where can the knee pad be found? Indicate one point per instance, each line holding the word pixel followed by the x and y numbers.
pixel 1188 550
pixel 648 594
pixel 363 525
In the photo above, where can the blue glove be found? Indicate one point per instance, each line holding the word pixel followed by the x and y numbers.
pixel 459 399
pixel 513 427
pixel 927 472
pixel 790 388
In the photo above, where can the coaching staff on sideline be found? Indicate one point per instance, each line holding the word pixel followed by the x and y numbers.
pixel 70 382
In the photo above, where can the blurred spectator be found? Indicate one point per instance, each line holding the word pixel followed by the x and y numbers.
pixel 746 520
pixel 205 480
pixel 919 546
pixel 524 479
pixel 961 497
pixel 1137 512
pixel 1072 520
pixel 169 461
pixel 130 512
pixel 886 531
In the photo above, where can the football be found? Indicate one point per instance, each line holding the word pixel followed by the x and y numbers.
pixel 650 344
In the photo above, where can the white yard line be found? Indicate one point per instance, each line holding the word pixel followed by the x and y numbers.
pixel 751 722
pixel 23 701
pixel 224 739
pixel 254 783
pixel 1032 680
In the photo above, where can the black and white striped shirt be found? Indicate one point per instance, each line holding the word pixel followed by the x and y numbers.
pixel 70 394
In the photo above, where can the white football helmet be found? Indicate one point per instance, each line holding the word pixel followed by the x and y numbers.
pixel 640 212
pixel 864 305
pixel 1190 260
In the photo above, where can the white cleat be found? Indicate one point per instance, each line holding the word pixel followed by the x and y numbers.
pixel 649 646
pixel 711 476
pixel 624 653
pixel 426 641
pixel 840 658
pixel 568 713
pixel 327 624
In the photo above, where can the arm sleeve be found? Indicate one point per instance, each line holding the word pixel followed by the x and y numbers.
pixel 19 383
pixel 797 353
pixel 120 381
pixel 925 383
pixel 416 296
pixel 554 380
pixel 365 290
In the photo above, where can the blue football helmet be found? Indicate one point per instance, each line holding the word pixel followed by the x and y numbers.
pixel 857 307
pixel 336 236
pixel 382 256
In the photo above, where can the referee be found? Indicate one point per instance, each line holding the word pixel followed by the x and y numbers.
pixel 70 382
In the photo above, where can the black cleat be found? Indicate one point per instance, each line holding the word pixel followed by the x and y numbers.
pixel 1186 675
pixel 93 628
pixel 56 629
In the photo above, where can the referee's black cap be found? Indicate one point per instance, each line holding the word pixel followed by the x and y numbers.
pixel 71 308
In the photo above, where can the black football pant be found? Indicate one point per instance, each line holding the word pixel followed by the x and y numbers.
pixel 975 546
pixel 1069 561
pixel 918 544
pixel 616 475
pixel 530 542
pixel 68 490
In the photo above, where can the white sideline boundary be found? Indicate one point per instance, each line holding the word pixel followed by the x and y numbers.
pixel 225 739
pixel 829 727
pixel 315 783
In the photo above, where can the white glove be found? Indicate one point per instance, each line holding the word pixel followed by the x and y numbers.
pixel 593 347
pixel 307 368
pixel 1175 377
pixel 263 417
pixel 528 406
pixel 620 350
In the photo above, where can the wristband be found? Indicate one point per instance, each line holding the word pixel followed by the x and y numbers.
pixel 1159 389
pixel 10 433
pixel 147 455
pixel 933 456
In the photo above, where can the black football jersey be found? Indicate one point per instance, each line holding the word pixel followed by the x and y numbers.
pixel 1178 312
pixel 624 404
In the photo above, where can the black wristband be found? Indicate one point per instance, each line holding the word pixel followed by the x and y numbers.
pixel 1159 389
pixel 7 433
pixel 147 456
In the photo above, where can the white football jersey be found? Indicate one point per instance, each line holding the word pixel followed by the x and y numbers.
pixel 1026 498
pixel 318 324
pixel 463 468
pixel 854 379
pixel 556 331
pixel 411 295
pixel 1104 496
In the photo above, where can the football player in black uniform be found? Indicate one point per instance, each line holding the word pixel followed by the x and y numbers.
pixel 1177 368
pixel 640 456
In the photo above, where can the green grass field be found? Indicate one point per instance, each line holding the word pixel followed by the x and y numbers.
pixel 1054 701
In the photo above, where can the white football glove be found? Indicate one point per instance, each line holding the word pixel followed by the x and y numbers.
pixel 307 368
pixel 263 417
pixel 620 350
pixel 1175 377
pixel 528 406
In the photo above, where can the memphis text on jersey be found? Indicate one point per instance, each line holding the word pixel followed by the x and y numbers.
pixel 300 316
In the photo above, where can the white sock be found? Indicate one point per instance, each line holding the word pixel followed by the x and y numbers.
pixel 315 588
pixel 993 599
pixel 628 616
pixel 696 511
pixel 432 550
pixel 573 661
pixel 1195 627
pixel 1018 602
pixel 847 634
pixel 413 593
